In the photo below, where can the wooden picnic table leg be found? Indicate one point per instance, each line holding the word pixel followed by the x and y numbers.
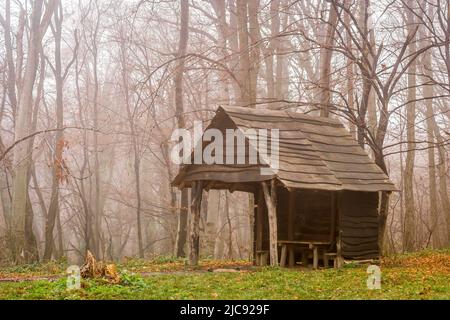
pixel 325 259
pixel 283 255
pixel 305 257
pixel 315 257
pixel 291 256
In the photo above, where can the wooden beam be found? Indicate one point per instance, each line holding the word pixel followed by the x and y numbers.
pixel 270 195
pixel 209 185
pixel 259 220
pixel 194 237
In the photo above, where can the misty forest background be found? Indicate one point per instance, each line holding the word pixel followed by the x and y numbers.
pixel 91 91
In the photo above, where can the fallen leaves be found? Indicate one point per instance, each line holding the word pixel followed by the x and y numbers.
pixel 179 265
pixel 43 271
pixel 428 262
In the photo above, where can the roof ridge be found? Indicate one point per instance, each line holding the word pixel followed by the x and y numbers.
pixel 280 113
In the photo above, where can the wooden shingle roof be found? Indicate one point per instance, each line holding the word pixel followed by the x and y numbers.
pixel 314 152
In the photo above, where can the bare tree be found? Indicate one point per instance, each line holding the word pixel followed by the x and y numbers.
pixel 409 236
pixel 40 21
pixel 59 174
pixel 326 54
pixel 182 45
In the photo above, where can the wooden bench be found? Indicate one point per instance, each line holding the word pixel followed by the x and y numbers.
pixel 326 259
pixel 306 245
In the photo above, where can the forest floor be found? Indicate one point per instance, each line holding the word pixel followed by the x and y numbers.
pixel 420 275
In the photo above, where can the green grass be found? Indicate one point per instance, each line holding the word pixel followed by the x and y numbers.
pixel 424 275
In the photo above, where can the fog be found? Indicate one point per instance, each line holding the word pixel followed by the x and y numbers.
pixel 92 91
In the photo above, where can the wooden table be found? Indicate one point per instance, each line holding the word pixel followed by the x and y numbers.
pixel 311 245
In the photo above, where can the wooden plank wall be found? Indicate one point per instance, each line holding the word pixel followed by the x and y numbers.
pixel 359 224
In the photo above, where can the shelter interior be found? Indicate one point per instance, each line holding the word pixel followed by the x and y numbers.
pixel 330 220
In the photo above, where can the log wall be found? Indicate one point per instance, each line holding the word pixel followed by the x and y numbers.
pixel 359 224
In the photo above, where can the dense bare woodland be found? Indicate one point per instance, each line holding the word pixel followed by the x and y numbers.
pixel 91 92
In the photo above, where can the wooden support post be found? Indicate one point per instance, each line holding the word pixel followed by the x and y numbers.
pixel 291 226
pixel 315 257
pixel 283 255
pixel 291 257
pixel 263 258
pixel 333 221
pixel 325 259
pixel 194 227
pixel 305 257
pixel 339 258
pixel 253 227
pixel 259 223
pixel 270 197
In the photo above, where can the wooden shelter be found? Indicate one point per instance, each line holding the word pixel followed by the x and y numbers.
pixel 321 203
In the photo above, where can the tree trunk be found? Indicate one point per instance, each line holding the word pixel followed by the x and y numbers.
pixel 22 153
pixel 87 212
pixel 350 73
pixel 134 140
pixel 281 72
pixel 272 49
pixel 366 83
pixel 244 54
pixel 409 232
pixel 60 250
pixel 326 53
pixel 58 168
pixel 383 211
pixel 254 51
pixel 97 238
pixel 5 196
pixel 11 80
pixel 372 101
pixel 442 172
pixel 5 180
pixel 429 114
pixel 229 227
pixel 137 176
pixel 182 46
pixel 223 33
